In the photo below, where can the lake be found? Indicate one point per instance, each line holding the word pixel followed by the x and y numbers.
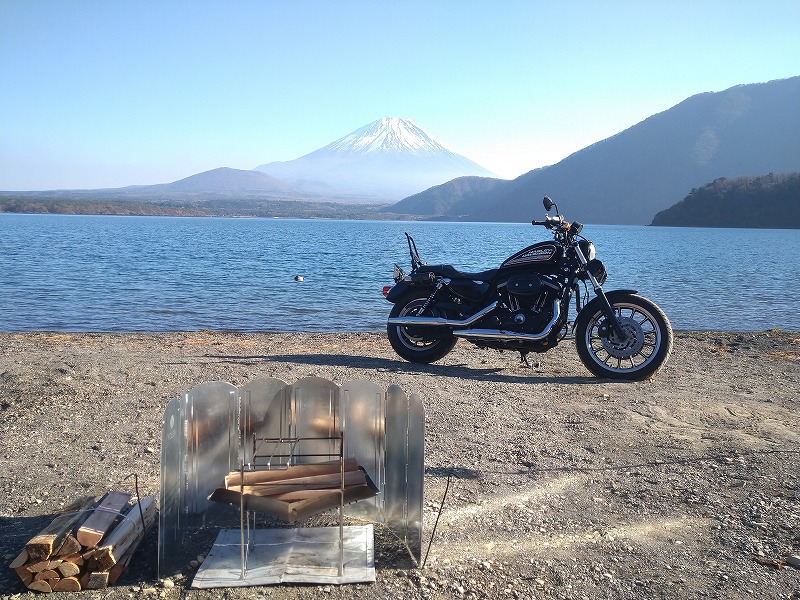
pixel 130 274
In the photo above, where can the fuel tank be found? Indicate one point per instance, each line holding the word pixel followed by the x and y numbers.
pixel 542 257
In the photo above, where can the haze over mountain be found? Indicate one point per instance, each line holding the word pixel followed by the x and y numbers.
pixel 747 130
pixel 387 159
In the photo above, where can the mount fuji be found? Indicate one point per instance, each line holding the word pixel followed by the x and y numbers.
pixel 388 159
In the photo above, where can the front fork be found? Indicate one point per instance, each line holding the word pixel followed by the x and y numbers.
pixel 611 317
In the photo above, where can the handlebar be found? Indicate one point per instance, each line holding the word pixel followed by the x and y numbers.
pixel 550 222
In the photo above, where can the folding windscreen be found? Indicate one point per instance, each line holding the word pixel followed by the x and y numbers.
pixel 215 428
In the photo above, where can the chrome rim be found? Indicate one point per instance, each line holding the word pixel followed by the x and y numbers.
pixel 636 351
pixel 411 337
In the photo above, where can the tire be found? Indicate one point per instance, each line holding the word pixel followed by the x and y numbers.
pixel 418 344
pixel 639 357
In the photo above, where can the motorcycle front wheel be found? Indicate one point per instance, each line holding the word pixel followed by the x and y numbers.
pixel 418 344
pixel 640 355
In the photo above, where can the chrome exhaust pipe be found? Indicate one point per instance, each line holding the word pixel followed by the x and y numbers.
pixel 440 321
pixel 510 336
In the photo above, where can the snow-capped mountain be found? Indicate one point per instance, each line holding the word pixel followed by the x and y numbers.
pixel 388 159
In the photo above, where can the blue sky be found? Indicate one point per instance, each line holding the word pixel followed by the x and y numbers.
pixel 112 93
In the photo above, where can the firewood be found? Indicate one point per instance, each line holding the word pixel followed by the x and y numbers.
pixel 21 559
pixel 96 581
pixel 102 519
pixel 125 534
pixel 47 575
pixel 76 559
pixel 234 478
pixel 38 566
pixel 329 481
pixel 40 586
pixel 68 584
pixel 69 546
pixel 68 569
pixel 25 576
pixel 43 544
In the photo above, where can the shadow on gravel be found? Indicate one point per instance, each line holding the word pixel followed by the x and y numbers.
pixel 401 366
pixel 458 472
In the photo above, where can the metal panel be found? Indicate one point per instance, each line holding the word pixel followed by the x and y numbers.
pixel 315 411
pixel 172 492
pixel 405 439
pixel 265 413
pixel 363 421
pixel 212 416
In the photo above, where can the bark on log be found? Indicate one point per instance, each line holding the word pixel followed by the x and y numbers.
pixel 102 519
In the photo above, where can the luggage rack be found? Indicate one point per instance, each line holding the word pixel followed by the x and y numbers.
pixel 362 443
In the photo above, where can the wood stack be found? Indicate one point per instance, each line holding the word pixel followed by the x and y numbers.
pixel 87 547
pixel 298 491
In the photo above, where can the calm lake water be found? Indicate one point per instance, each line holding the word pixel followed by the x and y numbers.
pixel 126 274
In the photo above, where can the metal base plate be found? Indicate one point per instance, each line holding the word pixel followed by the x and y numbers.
pixel 299 555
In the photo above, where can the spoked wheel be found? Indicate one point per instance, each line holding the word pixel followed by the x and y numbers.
pixel 419 344
pixel 640 354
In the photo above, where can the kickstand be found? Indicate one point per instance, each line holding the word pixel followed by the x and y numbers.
pixel 523 359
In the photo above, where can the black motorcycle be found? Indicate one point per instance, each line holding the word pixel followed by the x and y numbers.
pixel 524 306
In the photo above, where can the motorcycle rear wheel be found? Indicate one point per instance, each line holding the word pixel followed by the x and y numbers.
pixel 418 344
pixel 640 355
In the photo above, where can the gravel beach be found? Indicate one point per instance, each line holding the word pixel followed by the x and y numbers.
pixel 561 485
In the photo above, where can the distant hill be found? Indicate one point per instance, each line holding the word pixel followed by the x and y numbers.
pixel 767 202
pixel 387 159
pixel 223 179
pixel 746 130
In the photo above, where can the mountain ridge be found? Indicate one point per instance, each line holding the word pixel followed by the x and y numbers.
pixel 627 178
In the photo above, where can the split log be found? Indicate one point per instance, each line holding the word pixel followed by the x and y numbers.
pixel 234 478
pixel 69 546
pixel 102 519
pixel 76 559
pixel 68 584
pixel 48 540
pixel 25 576
pixel 21 559
pixel 96 581
pixel 127 533
pixel 68 569
pixel 314 482
pixel 40 586
pixel 47 575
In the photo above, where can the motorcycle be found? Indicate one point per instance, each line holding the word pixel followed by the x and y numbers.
pixel 524 306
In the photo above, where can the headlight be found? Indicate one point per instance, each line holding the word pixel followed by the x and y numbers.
pixel 587 248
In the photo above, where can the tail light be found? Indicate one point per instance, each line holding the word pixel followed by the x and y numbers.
pixel 386 289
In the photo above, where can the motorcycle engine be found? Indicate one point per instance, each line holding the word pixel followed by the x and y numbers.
pixel 527 303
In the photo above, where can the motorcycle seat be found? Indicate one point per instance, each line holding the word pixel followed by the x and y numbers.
pixel 453 273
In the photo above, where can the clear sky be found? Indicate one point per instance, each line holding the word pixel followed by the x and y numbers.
pixel 111 93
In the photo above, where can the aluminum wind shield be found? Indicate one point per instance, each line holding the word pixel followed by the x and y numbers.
pixel 214 426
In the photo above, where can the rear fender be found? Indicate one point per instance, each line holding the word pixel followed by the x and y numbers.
pixel 400 289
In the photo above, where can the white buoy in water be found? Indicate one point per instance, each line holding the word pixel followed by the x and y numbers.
pixel 298 278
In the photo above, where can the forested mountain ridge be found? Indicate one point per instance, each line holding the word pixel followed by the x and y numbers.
pixel 766 202
pixel 746 130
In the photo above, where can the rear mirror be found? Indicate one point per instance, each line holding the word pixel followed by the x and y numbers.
pixel 548 204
